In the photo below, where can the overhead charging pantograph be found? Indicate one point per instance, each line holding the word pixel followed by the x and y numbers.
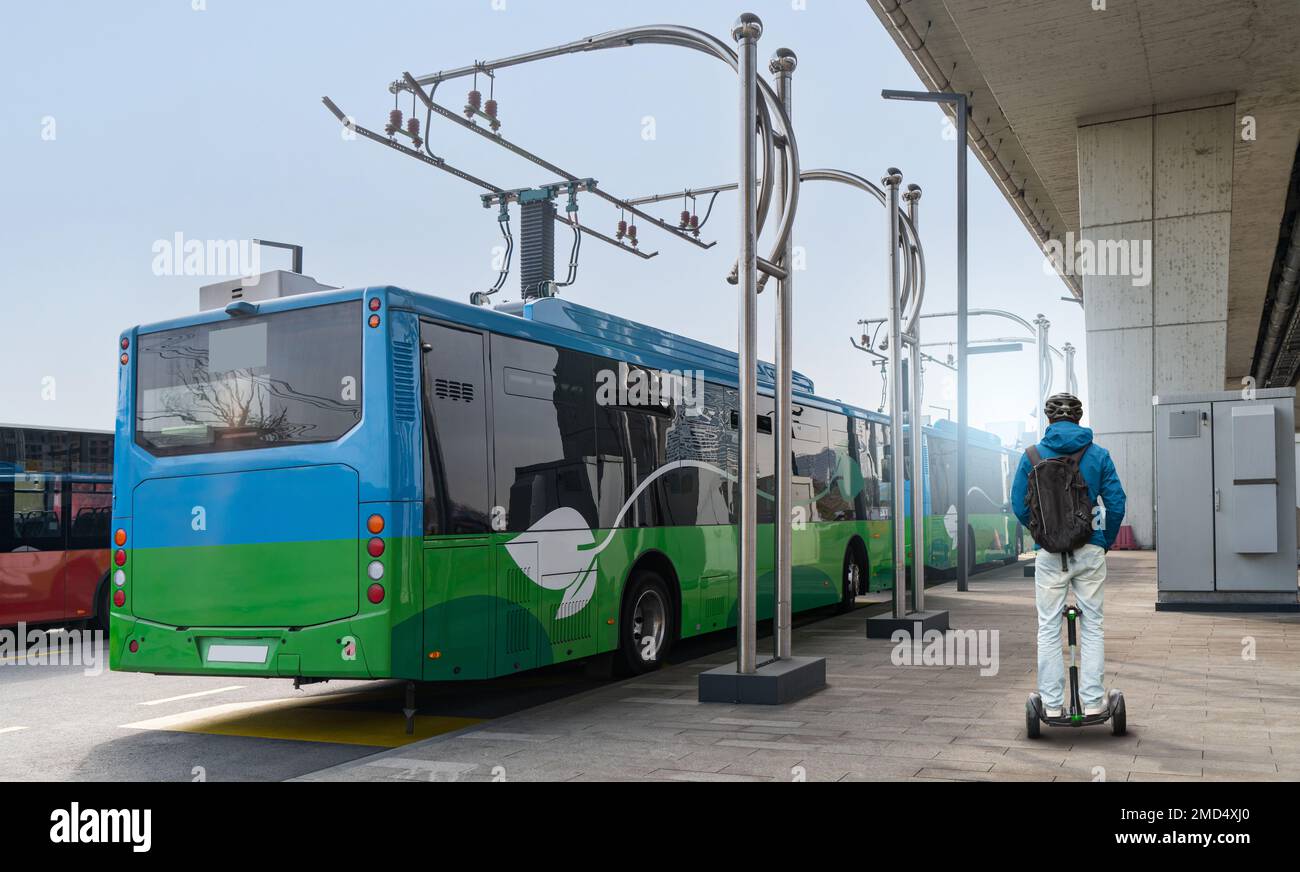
pixel 763 119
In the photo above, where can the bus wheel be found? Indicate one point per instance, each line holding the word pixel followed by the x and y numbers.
pixel 647 623
pixel 854 574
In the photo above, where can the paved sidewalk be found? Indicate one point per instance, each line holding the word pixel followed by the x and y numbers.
pixel 1197 709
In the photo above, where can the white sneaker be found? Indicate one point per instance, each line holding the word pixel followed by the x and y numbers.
pixel 1051 712
pixel 1094 709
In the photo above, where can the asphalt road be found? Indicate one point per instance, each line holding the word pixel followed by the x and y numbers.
pixel 62 722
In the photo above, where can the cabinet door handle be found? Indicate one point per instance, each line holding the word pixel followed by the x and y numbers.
pixel 1217 499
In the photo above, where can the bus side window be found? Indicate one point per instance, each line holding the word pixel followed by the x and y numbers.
pixel 91 512
pixel 33 503
pixel 630 446
pixel 703 493
pixel 544 431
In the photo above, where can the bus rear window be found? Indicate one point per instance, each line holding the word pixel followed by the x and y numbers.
pixel 289 378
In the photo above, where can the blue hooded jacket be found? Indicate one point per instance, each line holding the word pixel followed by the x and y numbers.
pixel 1098 470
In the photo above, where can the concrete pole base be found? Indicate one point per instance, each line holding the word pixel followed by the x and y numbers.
pixel 776 682
pixel 884 626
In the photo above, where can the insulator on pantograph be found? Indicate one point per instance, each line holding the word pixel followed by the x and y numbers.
pixel 413 129
pixel 394 121
pixel 631 234
pixel 686 220
pixel 621 231
pixel 490 108
pixel 695 225
pixel 475 101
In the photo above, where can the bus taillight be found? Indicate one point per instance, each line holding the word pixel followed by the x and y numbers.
pixel 119 598
pixel 375 593
pixel 119 538
pixel 375 547
pixel 119 557
pixel 375 524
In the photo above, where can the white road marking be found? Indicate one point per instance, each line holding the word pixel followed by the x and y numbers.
pixel 193 695
pixel 11 729
pixel 184 719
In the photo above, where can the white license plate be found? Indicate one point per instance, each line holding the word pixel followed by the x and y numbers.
pixel 237 653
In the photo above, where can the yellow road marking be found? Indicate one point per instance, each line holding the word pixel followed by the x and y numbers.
pixel 306 721
pixel 193 695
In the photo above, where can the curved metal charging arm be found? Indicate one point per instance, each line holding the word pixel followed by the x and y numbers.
pixel 409 83
pixel 685 37
pixel 437 162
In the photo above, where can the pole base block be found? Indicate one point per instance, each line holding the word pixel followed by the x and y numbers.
pixel 884 626
pixel 775 682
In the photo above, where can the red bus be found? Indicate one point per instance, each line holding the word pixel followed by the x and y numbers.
pixel 56 504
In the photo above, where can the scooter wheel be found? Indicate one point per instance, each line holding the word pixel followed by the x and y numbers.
pixel 1118 719
pixel 1033 728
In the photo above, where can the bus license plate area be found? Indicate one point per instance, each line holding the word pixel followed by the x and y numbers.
pixel 228 652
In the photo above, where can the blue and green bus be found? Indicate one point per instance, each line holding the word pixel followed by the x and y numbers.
pixel 383 484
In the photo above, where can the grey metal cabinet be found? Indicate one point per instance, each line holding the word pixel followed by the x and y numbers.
pixel 1225 517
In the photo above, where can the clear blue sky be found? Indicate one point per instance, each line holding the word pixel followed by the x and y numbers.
pixel 209 123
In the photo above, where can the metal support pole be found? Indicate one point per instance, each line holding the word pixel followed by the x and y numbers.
pixel 746 32
pixel 896 466
pixel 913 198
pixel 1071 380
pixel 1044 362
pixel 782 67
pixel 963 380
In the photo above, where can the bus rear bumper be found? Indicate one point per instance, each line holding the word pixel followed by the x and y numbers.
pixel 354 648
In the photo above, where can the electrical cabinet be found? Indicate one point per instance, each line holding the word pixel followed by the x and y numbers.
pixel 1225 465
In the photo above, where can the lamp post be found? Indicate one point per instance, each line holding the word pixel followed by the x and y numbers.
pixel 958 101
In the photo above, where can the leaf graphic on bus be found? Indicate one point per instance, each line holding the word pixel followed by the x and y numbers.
pixel 566 558
pixel 560 535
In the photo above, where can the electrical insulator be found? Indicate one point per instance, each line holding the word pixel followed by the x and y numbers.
pixel 475 101
pixel 490 108
pixel 413 128
pixel 622 230
pixel 394 122
pixel 631 234
pixel 695 225
pixel 686 220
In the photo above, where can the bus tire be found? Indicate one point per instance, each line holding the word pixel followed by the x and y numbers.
pixel 645 623
pixel 853 578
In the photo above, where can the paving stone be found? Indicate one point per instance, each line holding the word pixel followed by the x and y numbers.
pixel 1197 711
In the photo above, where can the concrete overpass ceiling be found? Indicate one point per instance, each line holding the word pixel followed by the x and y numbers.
pixel 1037 68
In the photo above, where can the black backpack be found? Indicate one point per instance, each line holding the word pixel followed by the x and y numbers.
pixel 1060 513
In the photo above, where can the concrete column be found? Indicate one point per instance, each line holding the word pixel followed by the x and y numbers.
pixel 1155 187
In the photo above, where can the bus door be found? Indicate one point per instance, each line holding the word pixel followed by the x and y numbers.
pixel 90 506
pixel 459 561
pixel 32 587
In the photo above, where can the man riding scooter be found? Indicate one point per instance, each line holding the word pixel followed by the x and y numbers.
pixel 1055 496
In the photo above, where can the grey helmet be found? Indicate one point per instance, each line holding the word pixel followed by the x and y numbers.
pixel 1063 407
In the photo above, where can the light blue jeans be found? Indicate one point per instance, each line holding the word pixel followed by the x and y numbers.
pixel 1087 575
